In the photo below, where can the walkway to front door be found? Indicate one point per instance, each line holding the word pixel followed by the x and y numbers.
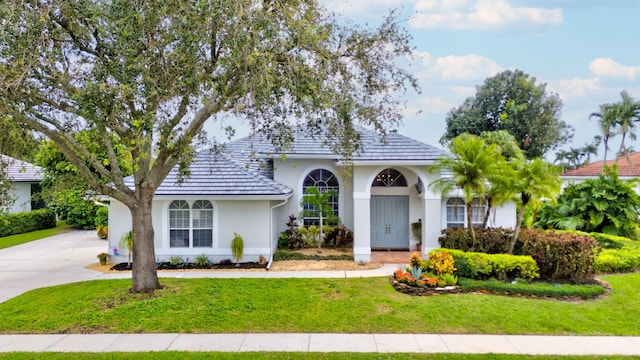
pixel 390 257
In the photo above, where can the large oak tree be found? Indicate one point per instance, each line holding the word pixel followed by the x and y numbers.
pixel 512 101
pixel 151 73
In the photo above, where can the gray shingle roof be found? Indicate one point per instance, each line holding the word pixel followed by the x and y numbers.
pixel 395 147
pixel 21 171
pixel 217 175
pixel 245 167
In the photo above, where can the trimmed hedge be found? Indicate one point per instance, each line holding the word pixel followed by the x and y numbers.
pixel 537 289
pixel 20 223
pixel 617 261
pixel 292 255
pixel 609 241
pixel 561 256
pixel 475 265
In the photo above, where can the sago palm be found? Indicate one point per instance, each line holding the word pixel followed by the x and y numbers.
pixel 471 164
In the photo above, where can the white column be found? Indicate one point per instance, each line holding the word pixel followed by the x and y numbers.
pixel 361 227
pixel 431 221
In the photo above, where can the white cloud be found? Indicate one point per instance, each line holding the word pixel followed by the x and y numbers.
pixel 480 14
pixel 464 68
pixel 435 105
pixel 609 68
pixel 359 7
pixel 576 87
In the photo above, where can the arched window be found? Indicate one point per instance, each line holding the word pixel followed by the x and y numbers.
pixel 179 224
pixel 323 180
pixel 202 223
pixel 456 212
pixel 389 177
pixel 190 226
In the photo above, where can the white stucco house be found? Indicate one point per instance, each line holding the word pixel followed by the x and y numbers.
pixel 25 179
pixel 251 188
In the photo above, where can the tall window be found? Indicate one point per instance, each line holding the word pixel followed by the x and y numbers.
pixel 323 180
pixel 389 178
pixel 179 224
pixel 202 224
pixel 190 226
pixel 456 212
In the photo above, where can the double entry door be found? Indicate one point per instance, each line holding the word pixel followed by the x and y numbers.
pixel 389 222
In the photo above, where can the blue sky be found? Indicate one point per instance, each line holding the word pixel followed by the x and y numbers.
pixel 586 51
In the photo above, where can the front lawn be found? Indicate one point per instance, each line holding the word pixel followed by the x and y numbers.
pixel 168 355
pixel 18 239
pixel 362 305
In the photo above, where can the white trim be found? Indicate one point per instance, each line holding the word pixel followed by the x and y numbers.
pixel 385 163
pixel 313 167
pixel 222 197
pixel 165 241
pixel 361 195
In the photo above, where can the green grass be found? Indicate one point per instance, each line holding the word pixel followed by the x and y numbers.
pixel 282 355
pixel 360 305
pixel 14 240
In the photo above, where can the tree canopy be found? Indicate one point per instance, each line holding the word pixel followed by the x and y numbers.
pixel 512 101
pixel 149 74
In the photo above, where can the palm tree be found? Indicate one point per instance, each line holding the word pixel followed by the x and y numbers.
pixel 607 122
pixel 316 203
pixel 535 180
pixel 471 165
pixel 627 113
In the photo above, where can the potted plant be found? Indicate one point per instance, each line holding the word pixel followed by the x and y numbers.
pixel 416 230
pixel 103 258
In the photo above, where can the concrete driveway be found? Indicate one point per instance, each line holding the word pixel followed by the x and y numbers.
pixel 51 261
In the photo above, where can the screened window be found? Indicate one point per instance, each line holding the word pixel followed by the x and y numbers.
pixel 456 212
pixel 179 224
pixel 389 177
pixel 190 226
pixel 202 224
pixel 323 180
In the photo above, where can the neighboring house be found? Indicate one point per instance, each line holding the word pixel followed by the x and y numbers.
pixel 628 168
pixel 26 183
pixel 251 188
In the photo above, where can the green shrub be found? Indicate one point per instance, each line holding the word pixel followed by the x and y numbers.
pixel 102 217
pixel 237 247
pixel 20 223
pixel 561 255
pixel 339 236
pixel 476 265
pixel 491 241
pixel 538 289
pixel 72 207
pixel 292 255
pixel 616 261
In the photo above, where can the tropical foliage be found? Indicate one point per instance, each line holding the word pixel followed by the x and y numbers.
pixel 618 119
pixel 604 205
pixel 315 203
pixel 470 167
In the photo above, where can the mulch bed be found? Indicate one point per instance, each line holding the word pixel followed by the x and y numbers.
pixel 190 266
pixel 422 291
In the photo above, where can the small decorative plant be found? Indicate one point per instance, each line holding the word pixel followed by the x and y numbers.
pixel 103 257
pixel 237 248
pixel 202 260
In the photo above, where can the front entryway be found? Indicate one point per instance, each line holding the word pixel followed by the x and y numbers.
pixel 389 222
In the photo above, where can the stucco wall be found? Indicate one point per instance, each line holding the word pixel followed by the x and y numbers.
pixel 248 218
pixel 22 192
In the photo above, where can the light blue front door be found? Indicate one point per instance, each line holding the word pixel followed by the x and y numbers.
pixel 389 222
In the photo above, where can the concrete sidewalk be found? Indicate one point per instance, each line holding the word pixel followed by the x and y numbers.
pixel 38 264
pixel 369 343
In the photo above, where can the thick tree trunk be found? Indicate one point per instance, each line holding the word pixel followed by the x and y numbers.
pixel 145 276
